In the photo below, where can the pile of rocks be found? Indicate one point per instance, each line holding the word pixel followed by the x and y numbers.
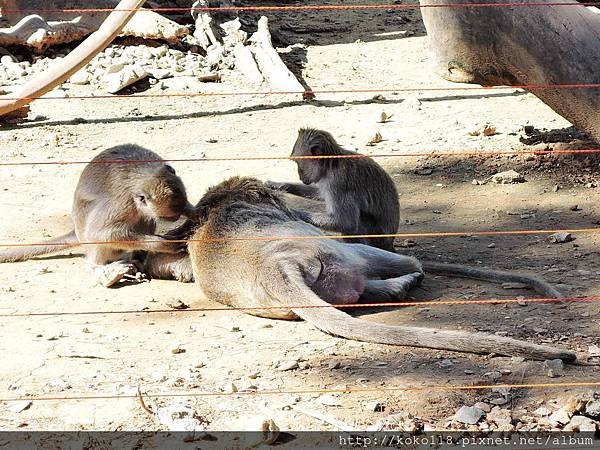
pixel 575 413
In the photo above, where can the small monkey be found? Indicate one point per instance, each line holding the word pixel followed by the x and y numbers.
pixel 361 198
pixel 300 278
pixel 118 200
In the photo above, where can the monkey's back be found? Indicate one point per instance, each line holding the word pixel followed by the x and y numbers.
pixel 375 193
pixel 106 182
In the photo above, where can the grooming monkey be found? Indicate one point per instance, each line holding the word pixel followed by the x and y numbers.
pixel 361 199
pixel 118 200
pixel 299 278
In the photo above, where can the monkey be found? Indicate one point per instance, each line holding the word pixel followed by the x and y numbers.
pixel 361 199
pixel 242 256
pixel 352 207
pixel 120 195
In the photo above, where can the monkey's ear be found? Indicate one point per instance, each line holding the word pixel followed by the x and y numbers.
pixel 170 169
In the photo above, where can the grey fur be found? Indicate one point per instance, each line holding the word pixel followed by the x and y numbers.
pixel 360 197
pixel 300 277
pixel 108 206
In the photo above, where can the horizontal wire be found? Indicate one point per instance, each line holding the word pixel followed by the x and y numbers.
pixel 309 391
pixel 310 93
pixel 305 7
pixel 299 158
pixel 305 238
pixel 353 306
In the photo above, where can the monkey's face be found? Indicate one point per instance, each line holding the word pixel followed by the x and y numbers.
pixel 309 170
pixel 163 196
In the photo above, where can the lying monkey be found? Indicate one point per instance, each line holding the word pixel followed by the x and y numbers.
pixel 242 256
pixel 118 202
pixel 361 199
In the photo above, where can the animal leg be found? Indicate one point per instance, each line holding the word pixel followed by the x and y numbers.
pixel 391 289
pixel 379 263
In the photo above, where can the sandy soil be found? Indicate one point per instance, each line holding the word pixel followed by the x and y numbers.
pixel 115 353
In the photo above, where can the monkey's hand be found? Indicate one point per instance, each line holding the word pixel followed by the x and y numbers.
pixel 162 245
pixel 278 186
pixel 184 231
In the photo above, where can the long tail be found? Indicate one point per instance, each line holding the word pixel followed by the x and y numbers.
pixel 293 291
pixel 15 254
pixel 541 286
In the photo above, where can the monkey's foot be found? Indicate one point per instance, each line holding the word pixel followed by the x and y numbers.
pixel 113 273
pixel 391 289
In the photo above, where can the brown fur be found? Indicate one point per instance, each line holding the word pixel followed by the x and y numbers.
pixel 301 277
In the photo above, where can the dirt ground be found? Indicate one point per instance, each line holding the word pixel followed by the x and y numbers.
pixel 114 354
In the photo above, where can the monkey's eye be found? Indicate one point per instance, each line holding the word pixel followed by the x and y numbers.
pixel 141 199
pixel 314 150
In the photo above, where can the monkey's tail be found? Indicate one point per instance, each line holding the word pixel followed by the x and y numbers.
pixel 293 291
pixel 15 254
pixel 541 286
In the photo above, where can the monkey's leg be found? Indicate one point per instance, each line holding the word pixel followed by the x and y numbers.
pixel 299 189
pixel 383 264
pixel 110 266
pixel 170 266
pixel 391 289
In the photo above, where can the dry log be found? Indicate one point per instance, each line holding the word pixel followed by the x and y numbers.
pixel 269 62
pixel 515 46
pixel 57 27
pixel 61 70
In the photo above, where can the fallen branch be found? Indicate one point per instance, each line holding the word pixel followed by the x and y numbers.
pixel 62 70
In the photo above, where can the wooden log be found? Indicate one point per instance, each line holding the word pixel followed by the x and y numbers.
pixel 523 45
pixel 269 62
pixel 60 72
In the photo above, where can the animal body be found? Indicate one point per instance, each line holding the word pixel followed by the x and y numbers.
pixel 361 199
pixel 120 195
pixel 242 256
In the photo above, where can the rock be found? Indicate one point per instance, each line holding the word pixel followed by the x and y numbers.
pixel 81 77
pixel 159 74
pixel 554 367
pixel 499 416
pixel 482 406
pixel 231 388
pixel 494 375
pixel 7 60
pixel 20 406
pixel 180 417
pixel 468 414
pixel 403 421
pixel 329 400
pixel 592 409
pixel 177 350
pixel 560 416
pixel 573 405
pixel 542 411
pixel 593 350
pixel 561 237
pixel 412 102
pixel 580 423
pixel 508 177
pixel 424 171
pixel 114 82
pixel 288 365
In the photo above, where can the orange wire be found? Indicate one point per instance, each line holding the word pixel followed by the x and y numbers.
pixel 310 7
pixel 325 236
pixel 352 306
pixel 530 87
pixel 296 158
pixel 309 391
